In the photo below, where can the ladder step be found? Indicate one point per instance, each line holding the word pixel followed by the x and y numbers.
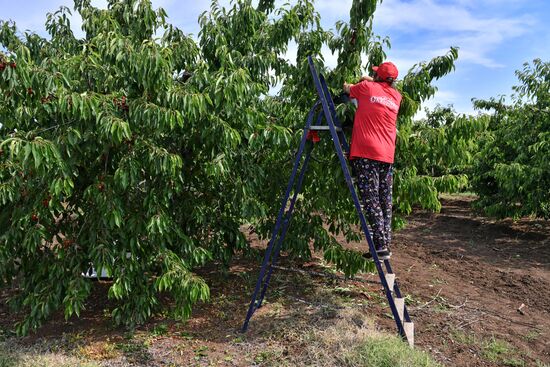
pixel 409 332
pixel 400 305
pixel 390 279
pixel 323 128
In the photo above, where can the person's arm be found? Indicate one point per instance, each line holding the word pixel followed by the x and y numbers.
pixel 347 88
pixel 355 90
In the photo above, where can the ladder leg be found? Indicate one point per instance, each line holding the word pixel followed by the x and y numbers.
pixel 286 225
pixel 253 304
pixel 408 325
pixel 397 290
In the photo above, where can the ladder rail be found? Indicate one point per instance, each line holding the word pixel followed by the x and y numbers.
pixel 252 307
pixel 288 214
pixel 286 225
pixel 332 108
pixel 343 163
pixel 343 141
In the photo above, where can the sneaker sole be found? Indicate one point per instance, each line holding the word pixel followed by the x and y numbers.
pixel 367 255
pixel 384 257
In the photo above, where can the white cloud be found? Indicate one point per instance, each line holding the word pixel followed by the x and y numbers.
pixel 292 52
pixel 444 98
pixel 431 15
pixel 437 26
pixel 334 9
pixel 331 59
pixel 99 3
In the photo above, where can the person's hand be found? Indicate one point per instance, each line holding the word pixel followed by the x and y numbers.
pixel 367 78
pixel 347 87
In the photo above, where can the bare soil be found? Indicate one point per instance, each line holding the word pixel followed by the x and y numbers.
pixel 469 276
pixel 478 292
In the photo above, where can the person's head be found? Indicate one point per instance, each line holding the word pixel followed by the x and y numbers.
pixel 385 72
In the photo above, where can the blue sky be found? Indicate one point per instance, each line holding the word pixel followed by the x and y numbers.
pixel 495 36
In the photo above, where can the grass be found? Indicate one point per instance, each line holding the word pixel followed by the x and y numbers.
pixel 532 335
pixel 461 337
pixel 387 351
pixel 160 330
pixel 326 326
pixel 14 356
pixel 98 351
pixel 265 356
pixel 500 352
pixel 341 341
pixel 134 350
pixel 492 349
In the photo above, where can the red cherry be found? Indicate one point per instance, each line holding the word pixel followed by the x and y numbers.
pixel 13 64
pixel 30 91
pixel 34 218
pixel 101 187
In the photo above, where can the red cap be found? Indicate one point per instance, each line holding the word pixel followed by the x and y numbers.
pixel 386 70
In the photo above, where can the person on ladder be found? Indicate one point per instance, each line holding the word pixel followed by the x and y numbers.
pixel 373 148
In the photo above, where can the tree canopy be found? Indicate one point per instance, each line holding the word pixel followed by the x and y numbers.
pixel 512 171
pixel 142 150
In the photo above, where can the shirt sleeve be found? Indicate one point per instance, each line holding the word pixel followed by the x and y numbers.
pixel 359 89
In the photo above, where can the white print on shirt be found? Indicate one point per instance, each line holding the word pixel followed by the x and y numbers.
pixel 385 101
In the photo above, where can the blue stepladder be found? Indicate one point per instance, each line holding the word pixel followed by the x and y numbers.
pixel 405 326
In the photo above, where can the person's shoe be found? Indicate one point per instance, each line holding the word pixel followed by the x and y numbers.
pixel 383 253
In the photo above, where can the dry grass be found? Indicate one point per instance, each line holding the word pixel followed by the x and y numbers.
pixel 98 351
pixel 13 355
pixel 316 324
pixel 345 341
pixel 338 337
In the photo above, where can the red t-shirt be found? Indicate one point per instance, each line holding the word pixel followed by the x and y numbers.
pixel 374 131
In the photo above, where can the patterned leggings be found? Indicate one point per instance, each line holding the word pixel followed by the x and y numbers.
pixel 374 180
